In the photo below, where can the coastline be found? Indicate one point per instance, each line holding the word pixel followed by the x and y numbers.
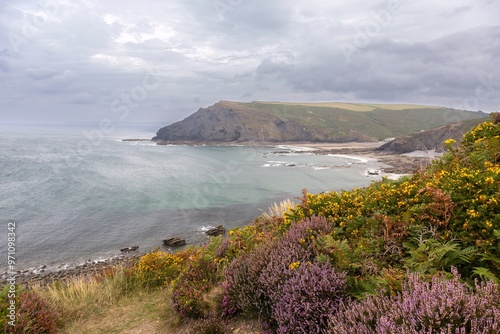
pixel 396 164
pixel 390 165
pixel 45 275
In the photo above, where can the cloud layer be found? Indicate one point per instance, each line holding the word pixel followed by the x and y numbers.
pixel 63 60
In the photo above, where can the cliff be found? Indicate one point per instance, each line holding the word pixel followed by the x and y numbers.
pixel 228 121
pixel 429 139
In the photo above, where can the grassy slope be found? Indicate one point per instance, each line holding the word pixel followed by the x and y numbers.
pixel 375 120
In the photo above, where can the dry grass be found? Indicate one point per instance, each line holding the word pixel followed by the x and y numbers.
pixel 84 296
pixel 278 209
pixel 144 312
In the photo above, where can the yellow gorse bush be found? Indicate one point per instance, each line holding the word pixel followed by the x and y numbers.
pixel 456 199
pixel 159 268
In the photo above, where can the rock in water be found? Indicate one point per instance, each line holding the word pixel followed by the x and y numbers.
pixel 218 230
pixel 174 242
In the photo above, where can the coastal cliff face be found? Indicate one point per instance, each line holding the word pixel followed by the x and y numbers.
pixel 224 122
pixel 432 139
pixel 228 121
pixel 235 122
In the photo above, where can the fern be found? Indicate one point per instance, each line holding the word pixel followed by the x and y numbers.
pixel 432 254
pixel 484 273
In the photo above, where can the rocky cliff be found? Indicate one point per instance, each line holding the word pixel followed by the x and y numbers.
pixel 228 121
pixel 430 139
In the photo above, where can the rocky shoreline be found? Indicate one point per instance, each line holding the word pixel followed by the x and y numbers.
pixel 396 163
pixel 44 275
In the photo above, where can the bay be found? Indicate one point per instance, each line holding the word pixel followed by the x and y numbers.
pixel 76 194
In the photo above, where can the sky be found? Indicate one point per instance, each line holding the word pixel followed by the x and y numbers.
pixel 159 61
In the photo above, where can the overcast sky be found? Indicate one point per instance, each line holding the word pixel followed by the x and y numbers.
pixel 88 60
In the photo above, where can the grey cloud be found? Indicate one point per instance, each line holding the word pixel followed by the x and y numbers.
pixel 40 73
pixel 92 52
pixel 4 66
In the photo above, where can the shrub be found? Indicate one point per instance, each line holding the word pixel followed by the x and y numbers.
pixel 308 298
pixel 33 316
pixel 440 306
pixel 243 291
pixel 255 280
pixel 158 268
pixel 296 247
pixel 191 286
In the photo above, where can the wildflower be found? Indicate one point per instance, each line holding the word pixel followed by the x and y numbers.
pixel 450 141
pixel 294 265
pixel 489 180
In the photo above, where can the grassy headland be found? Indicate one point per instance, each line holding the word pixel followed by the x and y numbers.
pixel 229 121
pixel 414 255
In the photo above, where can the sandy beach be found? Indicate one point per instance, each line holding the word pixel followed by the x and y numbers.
pixel 391 163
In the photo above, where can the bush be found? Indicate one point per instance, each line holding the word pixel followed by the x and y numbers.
pixel 243 291
pixel 312 294
pixel 440 306
pixel 191 286
pixel 33 316
pixel 296 247
pixel 159 268
pixel 255 280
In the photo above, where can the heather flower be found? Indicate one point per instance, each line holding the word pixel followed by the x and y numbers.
pixel 439 306
pixel 308 298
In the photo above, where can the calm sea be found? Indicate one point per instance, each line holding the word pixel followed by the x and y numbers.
pixel 75 195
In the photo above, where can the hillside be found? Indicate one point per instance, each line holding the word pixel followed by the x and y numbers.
pixel 228 121
pixel 432 139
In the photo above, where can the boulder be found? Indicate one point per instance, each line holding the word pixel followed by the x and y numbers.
pixel 129 249
pixel 217 230
pixel 174 242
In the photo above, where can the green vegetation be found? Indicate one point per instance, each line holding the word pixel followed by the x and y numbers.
pixel 376 121
pixel 419 254
pixel 228 121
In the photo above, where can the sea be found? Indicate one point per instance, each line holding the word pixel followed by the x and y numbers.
pixel 76 192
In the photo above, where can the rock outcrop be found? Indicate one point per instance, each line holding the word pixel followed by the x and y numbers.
pixel 215 231
pixel 432 139
pixel 174 242
pixel 228 122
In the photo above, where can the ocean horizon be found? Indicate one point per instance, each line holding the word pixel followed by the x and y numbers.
pixel 77 194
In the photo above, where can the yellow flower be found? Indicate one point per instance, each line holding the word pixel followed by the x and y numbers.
pixel 473 213
pixel 489 180
pixel 231 232
pixel 294 265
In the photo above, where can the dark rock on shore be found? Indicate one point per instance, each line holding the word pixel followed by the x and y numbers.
pixel 129 249
pixel 174 242
pixel 218 230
